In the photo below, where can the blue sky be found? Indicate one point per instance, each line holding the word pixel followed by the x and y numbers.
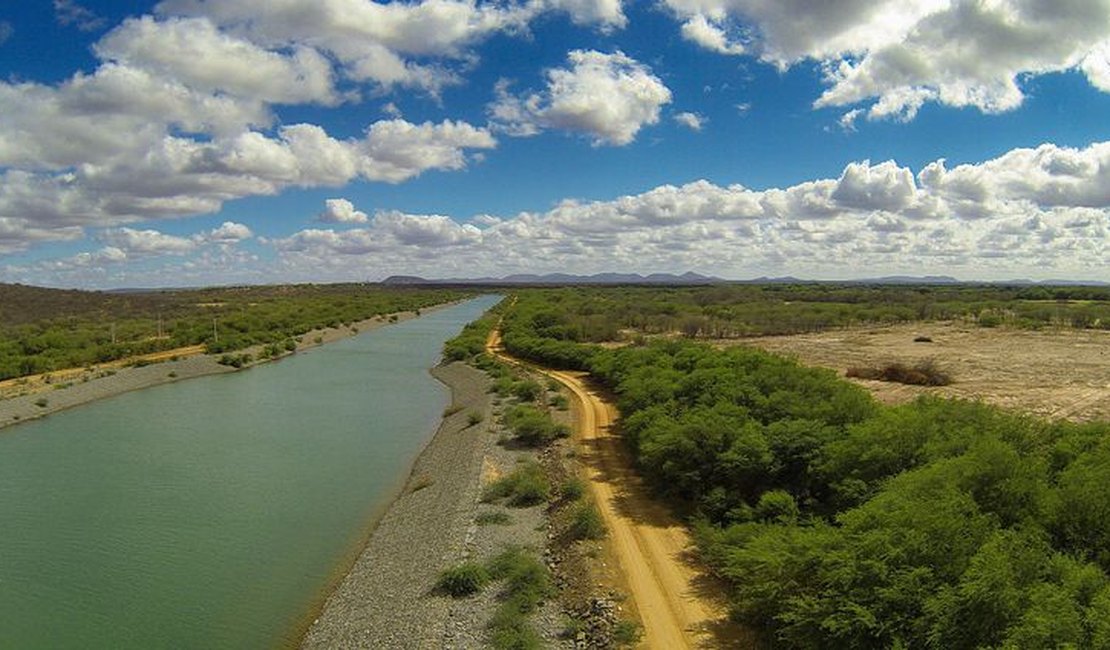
pixel 193 142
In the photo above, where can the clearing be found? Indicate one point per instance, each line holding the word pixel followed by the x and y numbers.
pixel 1060 373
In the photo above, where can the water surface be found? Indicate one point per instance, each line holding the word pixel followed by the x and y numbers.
pixel 211 513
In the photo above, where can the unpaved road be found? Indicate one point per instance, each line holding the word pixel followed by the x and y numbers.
pixel 680 607
pixel 1053 373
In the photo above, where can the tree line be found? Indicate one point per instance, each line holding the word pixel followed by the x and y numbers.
pixel 841 522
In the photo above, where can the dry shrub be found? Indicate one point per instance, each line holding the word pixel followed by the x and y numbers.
pixel 923 373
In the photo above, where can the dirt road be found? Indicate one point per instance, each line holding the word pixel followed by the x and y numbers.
pixel 679 606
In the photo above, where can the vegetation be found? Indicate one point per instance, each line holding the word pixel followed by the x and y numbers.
pixel 837 521
pixel 586 522
pixel 532 426
pixel 463 580
pixel 922 373
pixel 527 584
pixel 493 518
pixel 525 486
pixel 556 325
pixel 42 330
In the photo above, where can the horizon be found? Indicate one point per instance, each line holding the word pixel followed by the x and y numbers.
pixel 186 143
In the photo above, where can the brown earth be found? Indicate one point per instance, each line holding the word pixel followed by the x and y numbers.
pixel 1053 373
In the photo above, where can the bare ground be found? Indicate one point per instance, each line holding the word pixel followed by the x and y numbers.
pixel 1052 373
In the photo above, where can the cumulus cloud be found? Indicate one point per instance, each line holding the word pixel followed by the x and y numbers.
pixel 983 220
pixel 341 211
pixel 607 96
pixel 900 54
pixel 392 44
pixel 692 121
pixel 195 52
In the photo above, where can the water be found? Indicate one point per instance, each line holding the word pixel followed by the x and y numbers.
pixel 211 513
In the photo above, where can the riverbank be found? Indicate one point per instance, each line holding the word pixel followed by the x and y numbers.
pixel 388 599
pixel 22 400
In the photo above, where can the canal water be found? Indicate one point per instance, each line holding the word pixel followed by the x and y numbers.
pixel 211 513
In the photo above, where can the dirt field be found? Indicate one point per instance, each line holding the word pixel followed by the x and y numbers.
pixel 1058 373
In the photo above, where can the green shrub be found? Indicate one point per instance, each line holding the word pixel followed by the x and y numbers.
pixel 473 418
pixel 533 427
pixel 586 522
pixel 493 517
pixel 462 580
pixel 42 402
pixel 526 390
pixel 572 489
pixel 525 486
pixel 627 633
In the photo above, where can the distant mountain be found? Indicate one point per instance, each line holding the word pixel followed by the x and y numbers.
pixel 687 278
pixel 909 279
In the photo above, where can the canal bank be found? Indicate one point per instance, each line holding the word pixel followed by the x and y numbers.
pixel 212 512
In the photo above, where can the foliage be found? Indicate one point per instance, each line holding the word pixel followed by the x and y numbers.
pixel 923 373
pixel 527 584
pixel 586 522
pixel 463 580
pixel 42 330
pixel 836 521
pixel 532 426
pixel 525 486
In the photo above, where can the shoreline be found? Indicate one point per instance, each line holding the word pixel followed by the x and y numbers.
pixel 112 379
pixel 379 595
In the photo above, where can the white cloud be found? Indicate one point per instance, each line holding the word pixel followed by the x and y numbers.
pixel 341 211
pixel 229 232
pixel 897 55
pixel 385 43
pixel 607 14
pixel 608 96
pixel 194 52
pixel 69 12
pixel 147 242
pixel 692 121
pixel 6 31
pixel 981 221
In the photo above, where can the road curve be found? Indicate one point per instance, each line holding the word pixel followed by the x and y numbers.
pixel 678 605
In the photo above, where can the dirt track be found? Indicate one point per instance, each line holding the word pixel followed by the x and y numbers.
pixel 1053 373
pixel 679 606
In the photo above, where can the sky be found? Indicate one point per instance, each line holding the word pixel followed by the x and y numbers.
pixel 201 142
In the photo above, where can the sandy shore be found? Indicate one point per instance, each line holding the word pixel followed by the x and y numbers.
pixel 22 402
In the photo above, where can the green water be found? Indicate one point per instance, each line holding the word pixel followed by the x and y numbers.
pixel 211 513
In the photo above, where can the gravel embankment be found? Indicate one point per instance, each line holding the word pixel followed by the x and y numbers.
pixel 386 600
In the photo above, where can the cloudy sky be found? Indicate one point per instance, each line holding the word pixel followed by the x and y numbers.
pixel 190 142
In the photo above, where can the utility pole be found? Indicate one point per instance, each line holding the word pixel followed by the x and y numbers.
pixel 113 329
pixel 215 332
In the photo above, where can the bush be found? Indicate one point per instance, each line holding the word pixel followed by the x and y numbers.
pixel 572 489
pixel 42 402
pixel 586 522
pixel 527 584
pixel 559 402
pixel 473 418
pixel 923 373
pixel 463 580
pixel 493 517
pixel 525 486
pixel 533 427
pixel 527 390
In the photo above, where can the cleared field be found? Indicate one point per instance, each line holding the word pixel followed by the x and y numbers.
pixel 1056 373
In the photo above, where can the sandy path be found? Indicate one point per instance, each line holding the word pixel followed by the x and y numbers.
pixel 679 606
